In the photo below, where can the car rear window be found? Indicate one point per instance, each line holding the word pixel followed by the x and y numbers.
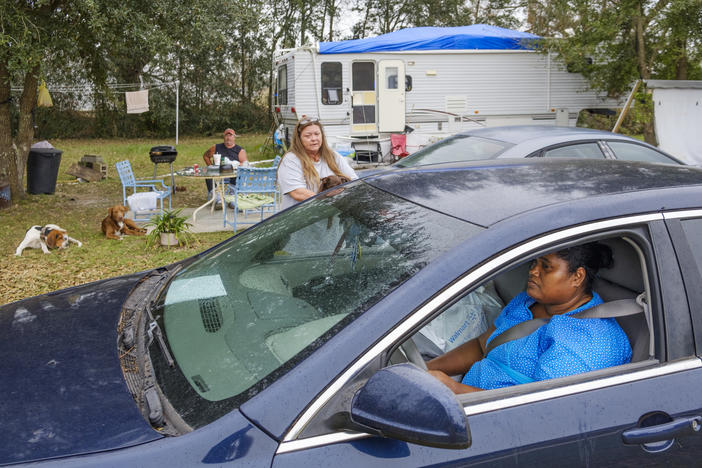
pixel 455 149
pixel 634 152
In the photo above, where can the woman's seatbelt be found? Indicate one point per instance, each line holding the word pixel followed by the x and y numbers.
pixel 514 375
pixel 612 309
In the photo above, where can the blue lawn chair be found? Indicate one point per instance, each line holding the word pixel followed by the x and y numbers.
pixel 126 176
pixel 255 189
pixel 276 163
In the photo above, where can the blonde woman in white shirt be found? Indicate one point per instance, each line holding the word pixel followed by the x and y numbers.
pixel 309 160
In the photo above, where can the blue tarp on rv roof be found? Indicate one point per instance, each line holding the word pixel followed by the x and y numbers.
pixel 476 36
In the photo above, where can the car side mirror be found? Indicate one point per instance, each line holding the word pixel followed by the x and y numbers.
pixel 406 403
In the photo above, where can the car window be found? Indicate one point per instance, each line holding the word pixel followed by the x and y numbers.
pixel 454 149
pixel 634 152
pixel 501 301
pixel 249 310
pixel 582 150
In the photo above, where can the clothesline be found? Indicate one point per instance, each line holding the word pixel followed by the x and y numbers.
pixel 115 86
pixel 120 87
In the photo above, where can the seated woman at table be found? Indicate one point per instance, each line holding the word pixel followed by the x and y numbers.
pixel 230 152
pixel 309 160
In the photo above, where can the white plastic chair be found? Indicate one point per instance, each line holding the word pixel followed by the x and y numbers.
pixel 126 176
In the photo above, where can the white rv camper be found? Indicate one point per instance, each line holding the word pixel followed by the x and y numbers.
pixel 425 83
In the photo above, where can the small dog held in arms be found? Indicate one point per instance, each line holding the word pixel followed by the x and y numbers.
pixel 46 237
pixel 115 225
pixel 325 183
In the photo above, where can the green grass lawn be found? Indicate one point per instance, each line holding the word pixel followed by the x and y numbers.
pixel 80 207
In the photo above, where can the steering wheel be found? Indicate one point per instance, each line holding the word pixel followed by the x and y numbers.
pixel 409 347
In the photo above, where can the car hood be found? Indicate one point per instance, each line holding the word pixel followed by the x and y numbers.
pixel 63 391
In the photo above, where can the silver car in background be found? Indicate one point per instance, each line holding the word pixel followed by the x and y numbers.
pixel 536 141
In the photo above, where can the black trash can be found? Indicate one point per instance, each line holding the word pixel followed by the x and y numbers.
pixel 42 170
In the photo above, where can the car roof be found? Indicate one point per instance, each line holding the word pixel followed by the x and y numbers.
pixel 518 134
pixel 526 139
pixel 486 192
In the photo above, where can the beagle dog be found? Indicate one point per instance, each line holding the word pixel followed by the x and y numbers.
pixel 115 225
pixel 46 237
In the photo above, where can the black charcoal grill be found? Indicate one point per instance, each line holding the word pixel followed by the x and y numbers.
pixel 164 155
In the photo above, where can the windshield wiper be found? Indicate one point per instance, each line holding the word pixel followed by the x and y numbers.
pixel 154 330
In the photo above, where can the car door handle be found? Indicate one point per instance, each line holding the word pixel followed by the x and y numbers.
pixel 661 432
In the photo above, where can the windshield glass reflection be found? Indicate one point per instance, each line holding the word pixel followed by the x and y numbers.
pixel 249 310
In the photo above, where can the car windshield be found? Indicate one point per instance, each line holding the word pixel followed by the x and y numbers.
pixel 249 310
pixel 454 149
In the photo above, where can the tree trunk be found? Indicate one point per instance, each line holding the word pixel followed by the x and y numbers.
pixel 641 46
pixel 332 14
pixel 8 165
pixel 681 63
pixel 25 131
pixel 649 132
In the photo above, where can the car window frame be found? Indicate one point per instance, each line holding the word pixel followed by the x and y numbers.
pixel 517 395
pixel 541 151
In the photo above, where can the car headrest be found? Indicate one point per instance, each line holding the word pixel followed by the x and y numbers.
pixel 512 282
pixel 624 278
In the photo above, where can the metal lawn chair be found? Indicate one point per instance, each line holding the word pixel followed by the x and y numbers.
pixel 156 186
pixel 256 189
pixel 276 163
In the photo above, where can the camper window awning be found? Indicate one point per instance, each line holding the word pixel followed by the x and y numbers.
pixel 477 36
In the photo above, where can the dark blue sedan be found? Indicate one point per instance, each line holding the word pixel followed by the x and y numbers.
pixel 302 340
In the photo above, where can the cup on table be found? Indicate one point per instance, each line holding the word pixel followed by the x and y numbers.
pixel 217 159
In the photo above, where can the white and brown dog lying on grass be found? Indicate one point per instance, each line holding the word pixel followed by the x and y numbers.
pixel 115 225
pixel 46 237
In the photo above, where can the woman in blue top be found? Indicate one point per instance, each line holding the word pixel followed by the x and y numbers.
pixel 559 285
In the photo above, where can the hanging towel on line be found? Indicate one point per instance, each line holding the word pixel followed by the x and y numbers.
pixel 137 101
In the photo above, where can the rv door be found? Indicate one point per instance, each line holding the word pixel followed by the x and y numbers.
pixel 391 96
pixel 363 122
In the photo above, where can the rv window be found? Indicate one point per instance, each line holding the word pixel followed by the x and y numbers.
pixel 391 75
pixel 363 76
pixel 283 85
pixel 408 83
pixel 331 83
pixel 363 114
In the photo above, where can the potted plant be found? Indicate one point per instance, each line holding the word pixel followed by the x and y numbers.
pixel 169 228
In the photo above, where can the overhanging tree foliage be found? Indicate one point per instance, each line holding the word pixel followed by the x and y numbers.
pixel 615 42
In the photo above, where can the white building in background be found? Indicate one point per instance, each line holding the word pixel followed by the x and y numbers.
pixel 678 117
